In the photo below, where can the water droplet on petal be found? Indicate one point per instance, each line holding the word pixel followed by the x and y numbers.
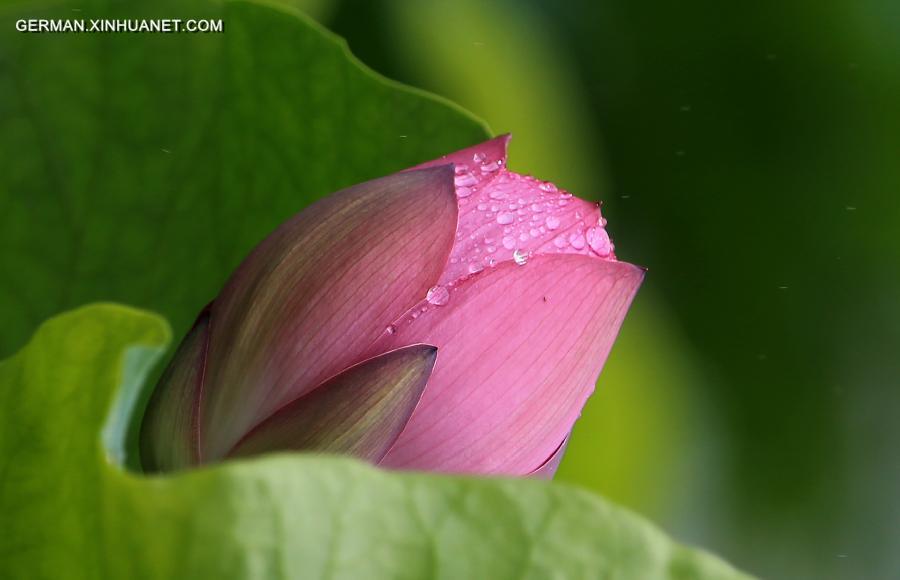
pixel 465 180
pixel 560 241
pixel 391 329
pixel 438 295
pixel 577 241
pixel 490 167
pixel 598 240
pixel 552 222
pixel 547 186
pixel 478 158
pixel 509 242
pixel 464 191
pixel 474 268
pixel 505 218
pixel 520 257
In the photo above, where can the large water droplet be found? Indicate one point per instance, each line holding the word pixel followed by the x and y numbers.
pixel 509 242
pixel 552 222
pixel 391 329
pixel 520 257
pixel 465 180
pixel 598 240
pixel 464 191
pixel 438 295
pixel 505 218
pixel 475 267
pixel 577 241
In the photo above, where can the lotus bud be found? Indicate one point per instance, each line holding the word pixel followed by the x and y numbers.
pixel 453 317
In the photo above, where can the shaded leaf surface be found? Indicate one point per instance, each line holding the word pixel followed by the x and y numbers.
pixel 142 168
pixel 70 512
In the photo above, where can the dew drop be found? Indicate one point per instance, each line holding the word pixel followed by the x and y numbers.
pixel 505 218
pixel 520 257
pixel 497 194
pixel 552 222
pixel 438 295
pixel 391 329
pixel 577 241
pixel 560 241
pixel 478 158
pixel 464 191
pixel 509 242
pixel 490 167
pixel 547 186
pixel 465 180
pixel 474 268
pixel 598 240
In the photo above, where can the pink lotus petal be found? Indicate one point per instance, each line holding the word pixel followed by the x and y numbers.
pixel 521 348
pixel 548 469
pixel 359 412
pixel 317 292
pixel 506 216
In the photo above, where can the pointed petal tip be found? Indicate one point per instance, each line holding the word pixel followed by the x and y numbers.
pixel 359 412
pixel 548 468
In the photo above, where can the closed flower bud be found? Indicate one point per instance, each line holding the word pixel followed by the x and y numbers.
pixel 453 317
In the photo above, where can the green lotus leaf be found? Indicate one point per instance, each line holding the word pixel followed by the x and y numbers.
pixel 70 510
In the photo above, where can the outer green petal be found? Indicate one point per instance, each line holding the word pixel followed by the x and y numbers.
pixel 169 428
pixel 360 412
pixel 316 293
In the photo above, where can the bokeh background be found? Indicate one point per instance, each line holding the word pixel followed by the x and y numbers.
pixel 749 156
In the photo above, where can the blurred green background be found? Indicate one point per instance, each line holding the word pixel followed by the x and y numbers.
pixel 749 156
